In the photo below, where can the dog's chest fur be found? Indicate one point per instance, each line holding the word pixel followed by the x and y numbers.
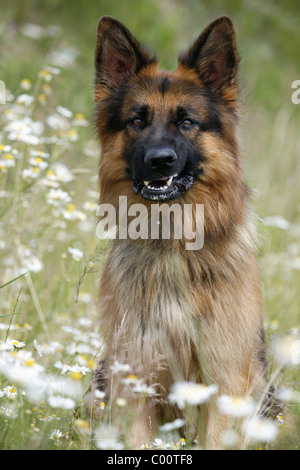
pixel 166 303
pixel 156 318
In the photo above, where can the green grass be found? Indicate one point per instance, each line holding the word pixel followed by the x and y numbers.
pixel 54 306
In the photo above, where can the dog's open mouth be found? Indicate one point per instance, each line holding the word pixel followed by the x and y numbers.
pixel 165 188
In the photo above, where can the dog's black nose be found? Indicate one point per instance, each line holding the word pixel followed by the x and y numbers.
pixel 161 158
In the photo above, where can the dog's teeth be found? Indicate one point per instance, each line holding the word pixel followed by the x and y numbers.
pixel 169 181
pixel 159 188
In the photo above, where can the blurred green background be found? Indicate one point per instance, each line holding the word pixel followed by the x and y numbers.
pixel 268 42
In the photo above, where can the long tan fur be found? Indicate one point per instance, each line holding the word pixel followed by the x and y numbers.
pixel 174 314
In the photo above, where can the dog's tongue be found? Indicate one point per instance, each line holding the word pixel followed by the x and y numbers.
pixel 163 178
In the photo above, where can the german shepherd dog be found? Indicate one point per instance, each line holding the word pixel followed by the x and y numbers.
pixel 175 314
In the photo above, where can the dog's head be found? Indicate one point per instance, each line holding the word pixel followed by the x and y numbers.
pixel 163 133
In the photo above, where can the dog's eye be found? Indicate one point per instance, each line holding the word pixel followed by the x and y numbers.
pixel 137 122
pixel 187 123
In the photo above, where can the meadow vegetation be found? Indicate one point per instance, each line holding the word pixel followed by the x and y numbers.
pixel 50 256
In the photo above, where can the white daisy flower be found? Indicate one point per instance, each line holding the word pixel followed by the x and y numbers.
pixel 118 367
pixel 33 31
pixel 288 395
pixel 85 297
pixel 9 412
pixel 37 161
pixel 30 173
pixel 159 444
pixel 78 368
pixel 91 149
pixel 62 173
pixel 45 75
pixel 25 99
pixel 38 348
pixel 109 444
pixel 236 406
pixel 90 206
pixel 33 264
pixel 57 122
pixel 287 350
pixel 106 438
pixel 63 367
pixel 53 70
pixel 130 379
pixel 229 438
pixel 77 255
pixel 72 135
pixel 257 429
pixel 25 130
pixel 99 395
pixel 64 57
pixel 141 387
pixel 10 391
pixel 15 343
pixel 277 221
pixel 64 111
pixel 39 153
pixel 56 401
pixel 121 402
pixel 26 84
pixel 73 214
pixel 7 161
pixel 5 148
pixel 92 193
pixel 189 393
pixel 57 196
pixel 79 120
pixel 56 435
pixel 176 424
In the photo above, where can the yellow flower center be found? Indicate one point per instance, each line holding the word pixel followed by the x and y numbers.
pixel 70 208
pixel 26 81
pixel 44 73
pixel 72 133
pixel 76 375
pixel 42 97
pixel 30 362
pixel 131 377
pixel 82 424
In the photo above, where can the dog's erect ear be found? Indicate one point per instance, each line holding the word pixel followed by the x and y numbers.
pixel 118 54
pixel 214 56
